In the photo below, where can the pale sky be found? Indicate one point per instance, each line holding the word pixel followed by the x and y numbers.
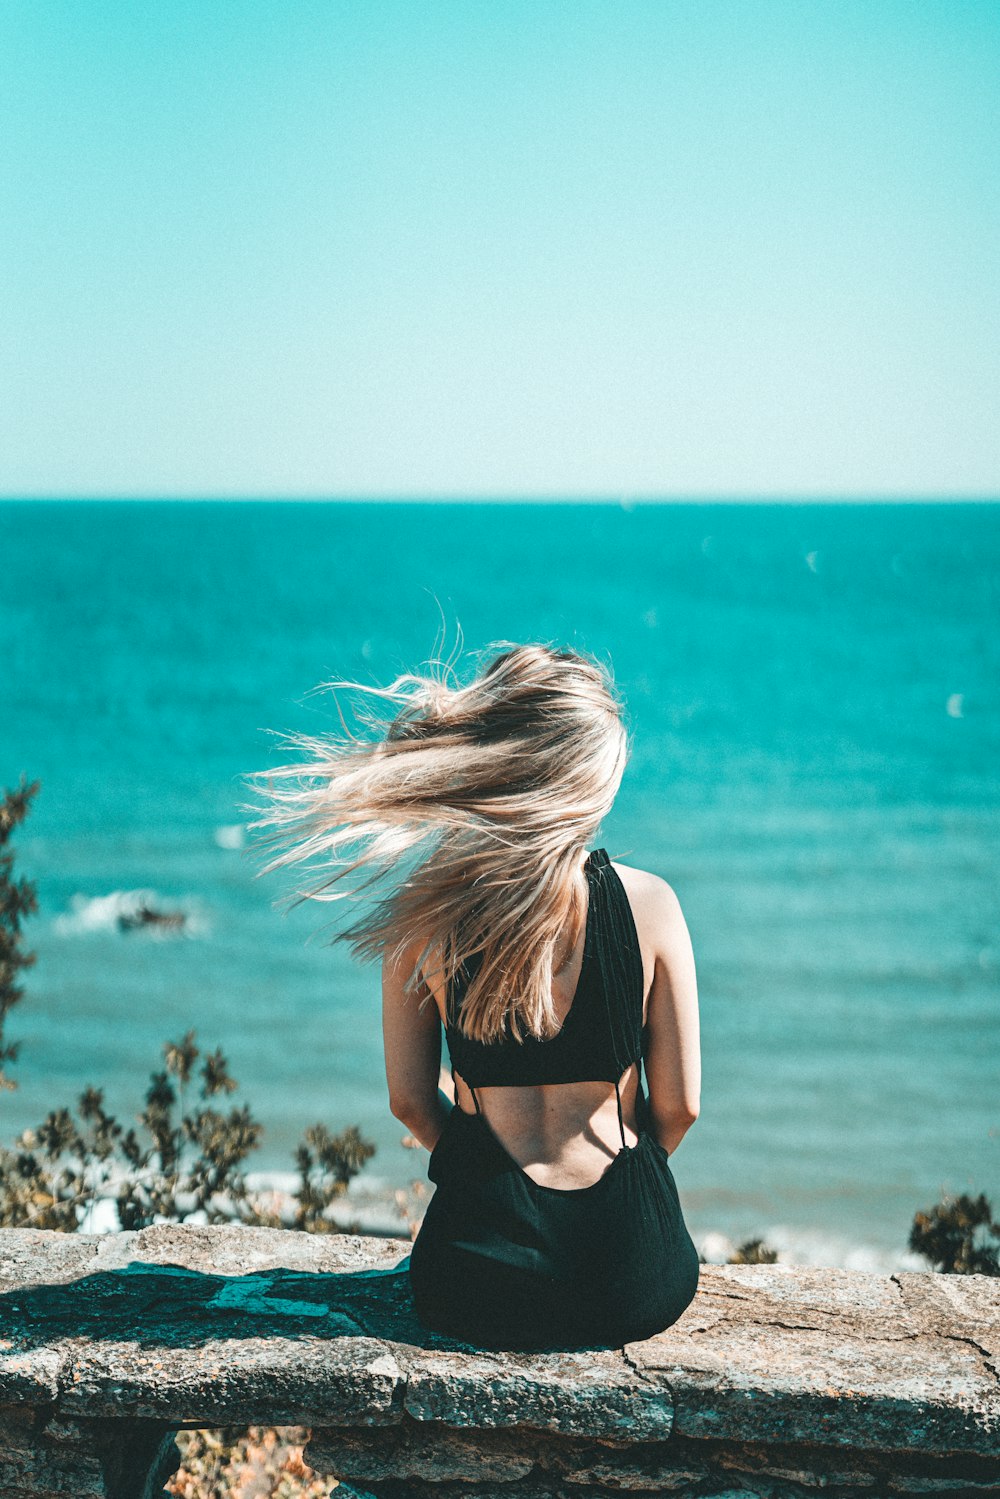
pixel 622 248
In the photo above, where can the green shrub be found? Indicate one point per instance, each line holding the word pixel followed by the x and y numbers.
pixel 188 1157
pixel 753 1252
pixel 17 900
pixel 946 1236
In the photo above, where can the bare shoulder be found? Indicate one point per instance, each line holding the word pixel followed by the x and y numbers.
pixel 668 971
pixel 403 974
pixel 411 977
pixel 659 921
pixel 654 902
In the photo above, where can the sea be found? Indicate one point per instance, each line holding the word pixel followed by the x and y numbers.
pixel 813 700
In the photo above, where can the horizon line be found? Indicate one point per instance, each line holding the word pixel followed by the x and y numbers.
pixel 623 500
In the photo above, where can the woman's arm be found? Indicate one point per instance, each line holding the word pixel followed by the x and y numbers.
pixel 411 1033
pixel 673 1056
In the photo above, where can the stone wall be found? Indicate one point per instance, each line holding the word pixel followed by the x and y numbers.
pixel 776 1382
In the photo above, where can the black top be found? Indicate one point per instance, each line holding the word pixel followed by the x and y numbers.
pixel 602 1033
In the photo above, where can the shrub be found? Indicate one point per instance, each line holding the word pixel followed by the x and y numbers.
pixel 265 1462
pixel 181 1165
pixel 946 1236
pixel 753 1252
pixel 187 1159
pixel 17 900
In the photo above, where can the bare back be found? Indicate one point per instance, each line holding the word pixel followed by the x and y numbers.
pixel 565 1135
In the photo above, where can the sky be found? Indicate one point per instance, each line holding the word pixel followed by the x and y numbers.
pixel 527 248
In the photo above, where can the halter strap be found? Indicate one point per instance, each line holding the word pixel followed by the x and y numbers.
pixel 621 971
pixel 611 930
pixel 621 1119
pixel 471 1089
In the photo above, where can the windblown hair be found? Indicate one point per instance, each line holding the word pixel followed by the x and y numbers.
pixel 475 803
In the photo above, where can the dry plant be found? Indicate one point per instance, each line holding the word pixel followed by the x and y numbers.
pixel 262 1463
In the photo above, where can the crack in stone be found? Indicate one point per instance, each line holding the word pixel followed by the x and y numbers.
pixel 658 1383
pixel 61 1382
pixel 989 1358
pixel 396 1410
pixel 803 1327
pixel 809 1327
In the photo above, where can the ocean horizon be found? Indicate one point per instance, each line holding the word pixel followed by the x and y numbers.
pixel 812 694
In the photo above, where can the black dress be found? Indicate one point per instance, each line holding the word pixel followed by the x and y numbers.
pixel 503 1262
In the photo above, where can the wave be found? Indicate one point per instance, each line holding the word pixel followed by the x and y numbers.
pixel 230 835
pixel 128 912
pixel 815 1248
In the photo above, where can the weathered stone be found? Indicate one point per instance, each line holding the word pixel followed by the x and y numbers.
pixel 947 1486
pixel 419 1450
pixel 963 1307
pixel 231 1249
pixel 50 1457
pixel 432 1455
pixel 546 1488
pixel 785 1295
pixel 435 1453
pixel 41 1457
pixel 776 1381
pixel 236 1380
pixel 588 1394
pixel 30 1375
pixel 826 1357
pixel 28 1253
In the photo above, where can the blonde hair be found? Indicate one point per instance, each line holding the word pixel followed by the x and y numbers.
pixel 476 802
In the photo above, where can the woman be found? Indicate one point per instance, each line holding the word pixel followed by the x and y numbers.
pixel 554 973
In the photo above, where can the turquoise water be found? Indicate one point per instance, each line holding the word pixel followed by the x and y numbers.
pixel 813 694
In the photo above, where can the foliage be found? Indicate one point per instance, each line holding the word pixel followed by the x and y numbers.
pixel 185 1163
pixel 753 1252
pixel 187 1159
pixel 17 900
pixel 946 1236
pixel 326 1164
pixel 230 1463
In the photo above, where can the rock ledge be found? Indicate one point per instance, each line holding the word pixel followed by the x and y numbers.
pixel 777 1381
